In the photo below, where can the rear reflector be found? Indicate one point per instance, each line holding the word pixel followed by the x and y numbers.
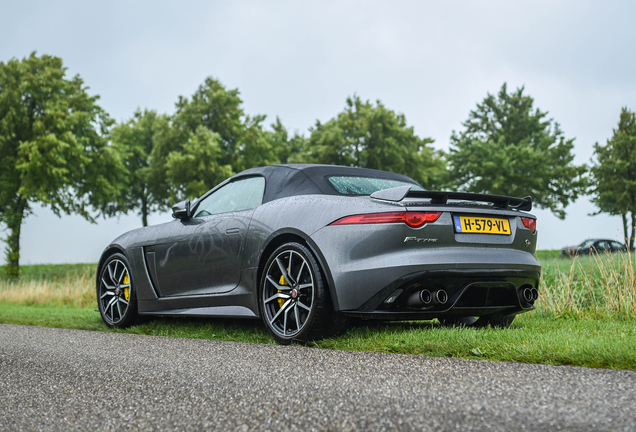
pixel 412 219
pixel 531 224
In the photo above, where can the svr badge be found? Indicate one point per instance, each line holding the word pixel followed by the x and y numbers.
pixel 420 240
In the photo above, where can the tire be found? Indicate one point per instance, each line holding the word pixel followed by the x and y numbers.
pixel 293 297
pixel 116 294
pixel 468 321
pixel 497 320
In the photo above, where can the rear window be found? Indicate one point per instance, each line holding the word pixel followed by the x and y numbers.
pixel 348 185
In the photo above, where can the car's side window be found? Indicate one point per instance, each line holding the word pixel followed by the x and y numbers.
pixel 601 246
pixel 616 245
pixel 243 194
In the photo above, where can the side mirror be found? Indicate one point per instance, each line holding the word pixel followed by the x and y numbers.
pixel 181 210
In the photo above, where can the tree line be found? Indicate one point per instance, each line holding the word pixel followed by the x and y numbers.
pixel 58 147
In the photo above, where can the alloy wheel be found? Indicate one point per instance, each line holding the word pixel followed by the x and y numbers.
pixel 288 293
pixel 114 292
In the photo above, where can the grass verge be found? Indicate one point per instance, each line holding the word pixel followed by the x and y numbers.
pixel 530 339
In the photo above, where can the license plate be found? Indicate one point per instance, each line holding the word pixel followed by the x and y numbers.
pixel 481 225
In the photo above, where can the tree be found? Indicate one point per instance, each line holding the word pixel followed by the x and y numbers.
pixel 241 139
pixel 509 148
pixel 288 149
pixel 614 174
pixel 255 147
pixel 209 139
pixel 135 141
pixel 194 168
pixel 375 137
pixel 53 146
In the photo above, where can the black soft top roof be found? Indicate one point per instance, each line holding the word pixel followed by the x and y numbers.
pixel 307 179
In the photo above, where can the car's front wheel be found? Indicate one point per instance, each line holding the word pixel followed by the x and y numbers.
pixel 116 296
pixel 293 299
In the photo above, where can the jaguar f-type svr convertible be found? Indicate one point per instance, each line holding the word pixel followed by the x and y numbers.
pixel 304 247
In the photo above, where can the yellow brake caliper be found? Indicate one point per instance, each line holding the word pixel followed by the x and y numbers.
pixel 282 281
pixel 127 289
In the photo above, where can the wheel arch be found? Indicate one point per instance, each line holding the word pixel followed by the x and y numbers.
pixel 108 252
pixel 280 239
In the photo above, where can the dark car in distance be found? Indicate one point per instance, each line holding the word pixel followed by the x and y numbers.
pixel 594 246
pixel 305 248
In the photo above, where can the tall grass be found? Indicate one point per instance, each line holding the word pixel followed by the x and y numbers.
pixel 598 286
pixel 61 285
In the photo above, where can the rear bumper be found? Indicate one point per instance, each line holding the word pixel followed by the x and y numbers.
pixel 470 293
pixel 362 260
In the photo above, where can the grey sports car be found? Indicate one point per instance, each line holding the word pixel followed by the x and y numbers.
pixel 306 247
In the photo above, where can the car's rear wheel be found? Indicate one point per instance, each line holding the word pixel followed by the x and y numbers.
pixel 293 296
pixel 116 296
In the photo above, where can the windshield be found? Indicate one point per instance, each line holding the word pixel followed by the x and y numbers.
pixel 348 185
pixel 587 243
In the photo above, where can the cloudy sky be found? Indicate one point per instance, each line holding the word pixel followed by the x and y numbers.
pixel 432 61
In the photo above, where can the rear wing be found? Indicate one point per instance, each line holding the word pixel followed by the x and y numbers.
pixel 442 197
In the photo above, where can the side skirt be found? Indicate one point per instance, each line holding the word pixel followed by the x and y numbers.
pixel 217 311
pixel 240 302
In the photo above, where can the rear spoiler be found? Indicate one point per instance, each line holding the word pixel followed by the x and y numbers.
pixel 441 197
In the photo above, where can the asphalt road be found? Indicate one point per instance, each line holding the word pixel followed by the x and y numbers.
pixel 55 379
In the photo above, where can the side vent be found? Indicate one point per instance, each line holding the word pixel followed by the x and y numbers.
pixel 151 268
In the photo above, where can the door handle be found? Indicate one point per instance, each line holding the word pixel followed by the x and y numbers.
pixel 231 231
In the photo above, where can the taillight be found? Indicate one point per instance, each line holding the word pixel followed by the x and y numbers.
pixel 531 224
pixel 412 219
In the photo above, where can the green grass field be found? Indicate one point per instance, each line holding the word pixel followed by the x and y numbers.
pixel 586 316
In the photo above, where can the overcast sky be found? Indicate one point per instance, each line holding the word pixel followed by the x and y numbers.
pixel 431 61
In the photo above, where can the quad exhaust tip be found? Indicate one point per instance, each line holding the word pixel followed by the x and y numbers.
pixel 427 298
pixel 441 296
pixel 527 294
pixel 530 294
